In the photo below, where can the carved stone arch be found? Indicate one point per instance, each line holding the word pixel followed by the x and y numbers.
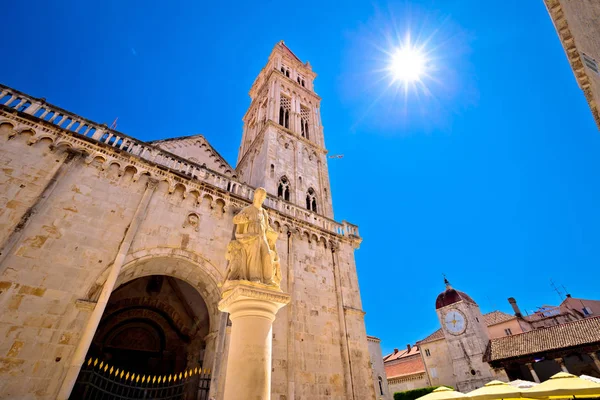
pixel 305 236
pixel 188 266
pixel 181 188
pixel 220 205
pixel 147 302
pixel 8 122
pixel 277 226
pixel 314 238
pixel 63 144
pixel 195 195
pixel 130 170
pixel 41 139
pixel 24 130
pixel 141 172
pixel 323 242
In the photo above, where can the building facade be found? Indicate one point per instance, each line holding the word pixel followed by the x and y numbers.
pixel 405 370
pixel 576 22
pixel 78 198
pixel 471 348
pixel 380 383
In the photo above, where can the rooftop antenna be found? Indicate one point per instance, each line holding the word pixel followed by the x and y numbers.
pixel 556 289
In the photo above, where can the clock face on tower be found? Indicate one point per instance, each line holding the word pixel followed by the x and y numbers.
pixel 455 322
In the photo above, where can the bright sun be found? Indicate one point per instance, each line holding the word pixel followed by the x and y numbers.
pixel 407 64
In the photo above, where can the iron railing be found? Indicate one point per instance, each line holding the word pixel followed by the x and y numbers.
pixel 98 380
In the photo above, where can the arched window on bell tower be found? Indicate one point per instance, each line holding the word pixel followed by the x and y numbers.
pixel 311 200
pixel 304 118
pixel 283 188
pixel 285 105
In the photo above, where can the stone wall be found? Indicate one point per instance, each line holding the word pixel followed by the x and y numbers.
pixel 576 22
pixel 378 370
pixel 439 363
pixel 410 382
pixel 67 205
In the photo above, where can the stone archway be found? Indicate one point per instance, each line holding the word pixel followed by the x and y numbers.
pixel 153 325
pixel 188 266
pixel 162 316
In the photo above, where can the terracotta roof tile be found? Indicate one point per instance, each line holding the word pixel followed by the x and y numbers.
pixel 401 354
pixel 496 317
pixel 409 366
pixel 437 335
pixel 577 333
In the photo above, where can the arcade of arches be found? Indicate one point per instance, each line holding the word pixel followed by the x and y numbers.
pixel 153 325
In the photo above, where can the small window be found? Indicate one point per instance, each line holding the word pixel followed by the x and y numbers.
pixel 272 170
pixel 311 200
pixel 380 386
pixel 283 189
pixel 590 63
pixel 587 311
pixel 476 319
pixel 508 332
pixel 427 352
pixel 433 372
pixel 302 82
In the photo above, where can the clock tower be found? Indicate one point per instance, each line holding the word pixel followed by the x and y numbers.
pixel 467 336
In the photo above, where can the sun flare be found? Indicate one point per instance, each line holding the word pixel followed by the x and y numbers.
pixel 407 64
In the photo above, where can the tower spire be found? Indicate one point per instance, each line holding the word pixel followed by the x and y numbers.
pixel 446 282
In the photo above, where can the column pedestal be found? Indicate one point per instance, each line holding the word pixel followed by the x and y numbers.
pixel 252 310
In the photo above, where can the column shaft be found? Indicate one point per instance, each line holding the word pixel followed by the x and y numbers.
pixel 533 373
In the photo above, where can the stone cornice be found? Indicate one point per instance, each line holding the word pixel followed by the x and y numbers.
pixel 568 41
pixel 355 311
pixel 406 378
pixel 202 181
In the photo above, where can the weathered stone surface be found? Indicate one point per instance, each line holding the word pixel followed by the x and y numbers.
pixel 66 201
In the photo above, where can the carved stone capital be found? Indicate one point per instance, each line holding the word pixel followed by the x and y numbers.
pixel 245 298
pixel 152 183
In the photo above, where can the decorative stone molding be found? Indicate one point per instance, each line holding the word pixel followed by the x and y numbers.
pixel 249 290
pixel 566 38
pixel 355 311
pixel 202 180
pixel 85 305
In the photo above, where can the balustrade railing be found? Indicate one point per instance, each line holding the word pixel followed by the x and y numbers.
pixel 101 133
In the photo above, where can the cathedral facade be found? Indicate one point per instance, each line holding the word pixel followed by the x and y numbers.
pixel 86 208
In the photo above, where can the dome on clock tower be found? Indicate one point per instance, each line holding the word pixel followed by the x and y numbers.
pixel 451 296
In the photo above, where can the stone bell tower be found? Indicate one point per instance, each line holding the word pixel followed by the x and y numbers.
pixel 283 149
pixel 467 337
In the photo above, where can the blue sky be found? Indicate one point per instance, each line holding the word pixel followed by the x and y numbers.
pixel 492 177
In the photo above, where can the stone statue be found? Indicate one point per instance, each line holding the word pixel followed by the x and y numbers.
pixel 252 254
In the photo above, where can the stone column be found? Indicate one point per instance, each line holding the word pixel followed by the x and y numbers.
pixel 595 359
pixel 536 379
pixel 252 311
pixel 561 362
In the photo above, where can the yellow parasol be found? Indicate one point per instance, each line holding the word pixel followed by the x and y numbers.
pixel 563 385
pixel 443 393
pixel 495 390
